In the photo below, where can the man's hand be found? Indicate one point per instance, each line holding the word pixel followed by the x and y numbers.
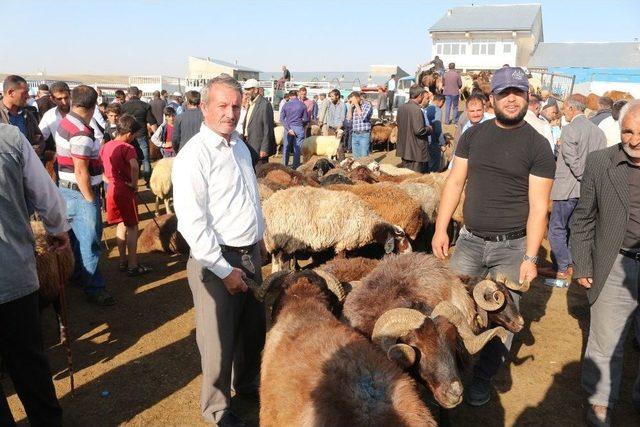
pixel 585 282
pixel 61 241
pixel 234 282
pixel 291 132
pixel 528 272
pixel 440 244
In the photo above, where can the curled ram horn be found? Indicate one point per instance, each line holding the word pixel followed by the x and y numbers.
pixel 271 285
pixel 473 343
pixel 333 284
pixel 514 286
pixel 487 295
pixel 390 326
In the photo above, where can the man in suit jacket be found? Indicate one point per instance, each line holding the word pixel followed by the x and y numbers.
pixel 605 242
pixel 187 124
pixel 258 125
pixel 579 138
pixel 413 132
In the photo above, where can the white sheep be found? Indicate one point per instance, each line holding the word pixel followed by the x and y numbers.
pixel 279 134
pixel 321 146
pixel 308 219
pixel 160 183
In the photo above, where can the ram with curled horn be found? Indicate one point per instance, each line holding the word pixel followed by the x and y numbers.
pixel 317 371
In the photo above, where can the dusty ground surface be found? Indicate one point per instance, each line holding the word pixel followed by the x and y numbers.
pixel 142 353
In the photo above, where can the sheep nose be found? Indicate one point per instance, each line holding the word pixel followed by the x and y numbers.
pixel 455 389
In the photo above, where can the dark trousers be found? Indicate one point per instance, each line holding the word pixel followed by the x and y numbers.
pixel 451 101
pixel 561 213
pixel 230 332
pixel 390 95
pixel 23 355
pixel 435 158
pixel 420 167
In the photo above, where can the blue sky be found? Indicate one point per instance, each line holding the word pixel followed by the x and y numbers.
pixel 155 37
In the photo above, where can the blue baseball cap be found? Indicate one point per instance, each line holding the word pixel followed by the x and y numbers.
pixel 507 77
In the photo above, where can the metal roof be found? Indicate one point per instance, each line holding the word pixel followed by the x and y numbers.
pixel 591 55
pixel 229 64
pixel 507 17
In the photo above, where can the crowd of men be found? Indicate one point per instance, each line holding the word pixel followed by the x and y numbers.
pixel 513 154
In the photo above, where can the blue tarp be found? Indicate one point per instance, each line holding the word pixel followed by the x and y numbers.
pixel 585 75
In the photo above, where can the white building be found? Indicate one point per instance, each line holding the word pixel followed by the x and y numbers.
pixel 207 68
pixel 487 37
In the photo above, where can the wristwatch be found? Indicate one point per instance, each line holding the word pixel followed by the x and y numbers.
pixel 533 259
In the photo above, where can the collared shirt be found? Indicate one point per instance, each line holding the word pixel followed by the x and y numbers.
pixel 282 102
pixel 18 121
pixel 361 122
pixel 542 127
pixel 294 114
pixel 391 84
pixel 485 117
pixel 75 139
pixel 216 198
pixel 452 83
pixel 632 236
pixel 334 117
pixel 312 108
pixel 611 129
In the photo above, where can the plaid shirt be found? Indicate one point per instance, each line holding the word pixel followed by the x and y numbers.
pixel 361 122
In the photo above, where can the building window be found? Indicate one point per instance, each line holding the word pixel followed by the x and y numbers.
pixel 506 48
pixel 492 48
pixel 439 47
pixel 447 49
pixel 475 49
pixel 455 49
pixel 483 49
pixel 463 49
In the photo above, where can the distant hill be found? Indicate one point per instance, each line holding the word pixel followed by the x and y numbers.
pixel 84 78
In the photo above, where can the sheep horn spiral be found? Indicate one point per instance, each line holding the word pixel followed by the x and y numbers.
pixel 514 286
pixel 487 295
pixel 333 284
pixel 393 324
pixel 473 343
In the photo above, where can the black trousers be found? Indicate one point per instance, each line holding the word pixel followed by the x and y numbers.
pixel 22 352
pixel 420 167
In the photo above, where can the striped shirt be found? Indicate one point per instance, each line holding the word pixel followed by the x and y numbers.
pixel 75 139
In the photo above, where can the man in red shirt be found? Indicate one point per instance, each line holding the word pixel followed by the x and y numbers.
pixel 121 173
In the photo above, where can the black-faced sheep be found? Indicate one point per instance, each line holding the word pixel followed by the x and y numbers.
pixel 334 376
pixel 160 183
pixel 336 178
pixel 280 174
pixel 314 220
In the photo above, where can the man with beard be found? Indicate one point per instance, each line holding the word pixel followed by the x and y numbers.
pixel 258 125
pixel 605 243
pixel 14 111
pixel 508 171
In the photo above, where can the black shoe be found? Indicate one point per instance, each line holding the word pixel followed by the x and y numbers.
pixel 229 419
pixel 102 298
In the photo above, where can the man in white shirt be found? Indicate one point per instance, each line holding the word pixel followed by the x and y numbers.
pixel 218 208
pixel 391 91
pixel 541 126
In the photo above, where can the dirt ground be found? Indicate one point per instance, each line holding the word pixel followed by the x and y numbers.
pixel 137 363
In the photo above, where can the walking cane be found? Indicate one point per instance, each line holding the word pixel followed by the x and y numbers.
pixel 64 329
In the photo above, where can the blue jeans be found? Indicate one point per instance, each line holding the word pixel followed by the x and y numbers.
pixel 476 257
pixel 86 226
pixel 561 212
pixel 295 142
pixel 360 142
pixel 435 158
pixel 449 101
pixel 146 163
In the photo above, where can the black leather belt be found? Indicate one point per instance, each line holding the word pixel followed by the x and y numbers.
pixel 73 186
pixel 630 254
pixel 238 249
pixel 501 237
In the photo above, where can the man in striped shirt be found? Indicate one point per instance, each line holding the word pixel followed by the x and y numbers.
pixel 80 173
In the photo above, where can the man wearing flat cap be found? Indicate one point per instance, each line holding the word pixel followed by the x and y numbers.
pixel 258 125
pixel 508 169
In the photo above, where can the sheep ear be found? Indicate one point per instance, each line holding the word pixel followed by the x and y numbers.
pixel 403 354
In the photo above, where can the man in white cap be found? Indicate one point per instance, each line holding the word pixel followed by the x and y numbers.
pixel 176 102
pixel 258 125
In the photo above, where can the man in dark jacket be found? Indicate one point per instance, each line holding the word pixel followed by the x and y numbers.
pixel 13 111
pixel 187 124
pixel 258 125
pixel 605 244
pixel 605 104
pixel 413 132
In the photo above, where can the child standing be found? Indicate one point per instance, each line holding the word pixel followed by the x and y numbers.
pixel 121 171
pixel 162 136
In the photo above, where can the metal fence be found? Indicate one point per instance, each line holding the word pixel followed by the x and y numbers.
pixel 560 85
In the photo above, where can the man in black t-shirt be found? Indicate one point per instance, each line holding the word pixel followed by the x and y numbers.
pixel 144 116
pixel 508 169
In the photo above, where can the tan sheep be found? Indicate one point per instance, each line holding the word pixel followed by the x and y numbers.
pixel 162 235
pixel 160 183
pixel 54 268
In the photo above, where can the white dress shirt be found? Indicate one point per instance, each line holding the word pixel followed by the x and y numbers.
pixel 215 196
pixel 51 121
pixel 611 129
pixel 391 84
pixel 542 127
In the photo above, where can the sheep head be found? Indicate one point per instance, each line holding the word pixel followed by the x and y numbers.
pixel 417 344
pixel 392 237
